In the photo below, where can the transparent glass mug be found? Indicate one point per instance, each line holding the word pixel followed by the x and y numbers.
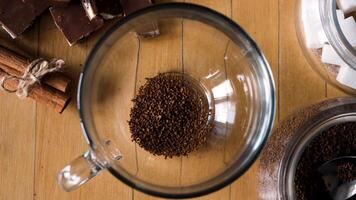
pixel 218 56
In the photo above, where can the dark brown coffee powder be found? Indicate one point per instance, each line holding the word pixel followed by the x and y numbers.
pixel 337 141
pixel 276 147
pixel 346 172
pixel 170 116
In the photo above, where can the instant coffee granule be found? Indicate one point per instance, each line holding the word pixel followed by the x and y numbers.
pixel 346 172
pixel 276 146
pixel 170 116
pixel 337 141
pixel 272 155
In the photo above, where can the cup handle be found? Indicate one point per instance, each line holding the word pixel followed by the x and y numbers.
pixel 79 171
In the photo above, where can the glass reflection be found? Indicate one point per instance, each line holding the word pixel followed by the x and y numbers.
pixel 225 109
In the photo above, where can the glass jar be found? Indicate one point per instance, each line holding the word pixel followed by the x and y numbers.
pixel 280 157
pixel 326 32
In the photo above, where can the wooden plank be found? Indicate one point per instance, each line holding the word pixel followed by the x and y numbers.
pixel 300 86
pixel 159 55
pixel 204 50
pixel 333 92
pixel 115 92
pixel 260 20
pixel 59 137
pixel 246 187
pixel 17 133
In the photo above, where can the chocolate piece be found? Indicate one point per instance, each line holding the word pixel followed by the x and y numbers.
pixel 35 4
pixel 16 16
pixel 108 9
pixel 148 30
pixel 73 22
pixel 60 2
pixel 48 3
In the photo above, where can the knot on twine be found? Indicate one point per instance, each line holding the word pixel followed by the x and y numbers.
pixel 33 74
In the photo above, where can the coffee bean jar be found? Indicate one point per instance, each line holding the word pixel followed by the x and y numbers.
pixel 326 30
pixel 290 163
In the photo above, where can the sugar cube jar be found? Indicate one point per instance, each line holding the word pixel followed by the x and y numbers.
pixel 326 30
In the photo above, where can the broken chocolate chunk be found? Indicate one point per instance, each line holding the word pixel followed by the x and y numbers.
pixel 107 9
pixel 35 4
pixel 16 16
pixel 59 2
pixel 73 22
pixel 47 3
pixel 148 30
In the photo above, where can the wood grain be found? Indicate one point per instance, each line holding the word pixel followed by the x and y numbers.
pixel 212 47
pixel 17 136
pixel 260 19
pixel 53 131
pixel 36 142
pixel 116 80
pixel 159 55
pixel 300 86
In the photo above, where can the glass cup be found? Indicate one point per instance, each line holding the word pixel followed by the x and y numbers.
pixel 218 57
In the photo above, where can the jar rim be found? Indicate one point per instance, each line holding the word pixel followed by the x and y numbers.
pixel 341 111
pixel 334 32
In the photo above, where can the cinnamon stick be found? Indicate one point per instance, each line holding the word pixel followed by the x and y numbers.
pixel 41 93
pixel 15 65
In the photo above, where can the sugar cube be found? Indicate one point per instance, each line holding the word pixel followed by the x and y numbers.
pixel 347 76
pixel 340 14
pixel 329 56
pixel 347 6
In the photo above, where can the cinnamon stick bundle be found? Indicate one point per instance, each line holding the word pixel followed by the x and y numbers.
pixel 41 93
pixel 15 65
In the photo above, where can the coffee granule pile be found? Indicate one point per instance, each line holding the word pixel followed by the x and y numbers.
pixel 170 116
pixel 272 155
pixel 337 141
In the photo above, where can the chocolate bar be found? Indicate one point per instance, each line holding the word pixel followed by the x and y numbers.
pixel 34 4
pixel 148 30
pixel 107 9
pixel 73 22
pixel 16 16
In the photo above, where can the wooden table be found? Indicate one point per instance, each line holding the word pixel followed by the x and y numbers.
pixel 36 142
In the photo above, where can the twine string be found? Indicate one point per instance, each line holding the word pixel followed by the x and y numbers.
pixel 34 72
